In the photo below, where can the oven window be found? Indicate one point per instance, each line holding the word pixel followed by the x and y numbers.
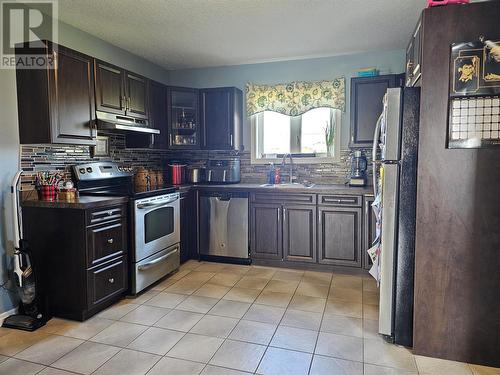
pixel 158 223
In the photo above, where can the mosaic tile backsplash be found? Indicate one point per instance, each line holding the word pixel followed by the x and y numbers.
pixel 35 158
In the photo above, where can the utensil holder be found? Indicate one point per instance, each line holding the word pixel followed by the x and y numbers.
pixel 47 192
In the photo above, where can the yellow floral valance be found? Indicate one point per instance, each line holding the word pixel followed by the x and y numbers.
pixel 295 98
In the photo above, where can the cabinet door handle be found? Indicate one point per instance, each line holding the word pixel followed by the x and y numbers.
pixel 111 280
pixel 278 213
pixel 231 140
pixel 122 102
pixel 110 241
pixel 128 103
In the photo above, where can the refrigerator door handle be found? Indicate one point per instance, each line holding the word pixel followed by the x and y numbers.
pixel 375 162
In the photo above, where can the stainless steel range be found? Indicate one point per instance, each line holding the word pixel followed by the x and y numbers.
pixel 154 235
pixel 156 239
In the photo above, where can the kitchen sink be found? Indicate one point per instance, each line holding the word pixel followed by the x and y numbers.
pixel 288 185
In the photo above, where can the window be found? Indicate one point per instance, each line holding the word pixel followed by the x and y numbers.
pixel 311 137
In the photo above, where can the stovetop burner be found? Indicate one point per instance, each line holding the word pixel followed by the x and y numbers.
pixel 108 179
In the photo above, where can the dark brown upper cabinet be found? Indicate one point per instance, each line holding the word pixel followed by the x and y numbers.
pixel 367 94
pixel 57 105
pixel 413 57
pixel 221 118
pixel 136 91
pixel 158 114
pixel 184 131
pixel 109 89
pixel 119 91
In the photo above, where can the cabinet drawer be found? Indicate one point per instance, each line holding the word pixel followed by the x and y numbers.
pixel 102 214
pixel 283 198
pixel 341 200
pixel 105 241
pixel 106 281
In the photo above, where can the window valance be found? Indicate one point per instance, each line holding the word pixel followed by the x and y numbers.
pixel 295 98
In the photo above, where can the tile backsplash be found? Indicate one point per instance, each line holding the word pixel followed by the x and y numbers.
pixel 35 158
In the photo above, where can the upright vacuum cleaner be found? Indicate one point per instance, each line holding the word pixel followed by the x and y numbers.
pixel 29 317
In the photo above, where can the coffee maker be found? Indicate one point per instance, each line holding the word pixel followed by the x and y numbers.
pixel 358 169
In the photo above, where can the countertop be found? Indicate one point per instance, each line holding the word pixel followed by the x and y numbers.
pixel 82 203
pixel 316 189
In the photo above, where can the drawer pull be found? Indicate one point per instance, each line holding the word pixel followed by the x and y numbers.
pixel 111 280
pixel 110 241
pixel 110 213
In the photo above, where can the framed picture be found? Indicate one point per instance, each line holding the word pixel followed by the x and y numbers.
pixel 102 146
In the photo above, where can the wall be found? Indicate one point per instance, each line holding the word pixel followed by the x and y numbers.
pixel 286 71
pixel 9 138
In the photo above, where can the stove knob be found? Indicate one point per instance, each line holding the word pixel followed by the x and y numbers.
pixel 82 170
pixel 89 169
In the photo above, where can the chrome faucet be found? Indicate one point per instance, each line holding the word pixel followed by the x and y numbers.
pixel 283 164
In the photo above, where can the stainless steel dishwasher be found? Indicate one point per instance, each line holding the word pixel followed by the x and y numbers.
pixel 223 227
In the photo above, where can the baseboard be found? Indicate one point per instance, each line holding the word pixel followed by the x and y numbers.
pixel 6 314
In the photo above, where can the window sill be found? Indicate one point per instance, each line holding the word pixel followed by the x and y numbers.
pixel 277 161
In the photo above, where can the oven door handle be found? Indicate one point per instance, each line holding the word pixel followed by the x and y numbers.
pixel 156 261
pixel 154 205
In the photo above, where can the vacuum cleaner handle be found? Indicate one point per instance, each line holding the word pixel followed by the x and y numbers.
pixel 16 210
pixel 18 257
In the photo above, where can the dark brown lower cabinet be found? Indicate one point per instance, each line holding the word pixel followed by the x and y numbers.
pixel 266 237
pixel 80 257
pixel 369 229
pixel 339 236
pixel 188 218
pixel 105 282
pixel 299 233
pixel 294 228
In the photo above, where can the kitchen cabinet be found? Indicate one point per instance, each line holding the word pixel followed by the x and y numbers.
pixel 81 257
pixel 366 106
pixel 109 88
pixel 184 131
pixel 188 219
pixel 369 229
pixel 120 92
pixel 158 114
pixel 136 91
pixel 283 226
pixel 266 231
pixel 299 233
pixel 339 236
pixel 456 304
pixel 306 228
pixel 413 57
pixel 57 105
pixel 221 118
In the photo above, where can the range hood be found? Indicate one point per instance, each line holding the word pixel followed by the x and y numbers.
pixel 109 121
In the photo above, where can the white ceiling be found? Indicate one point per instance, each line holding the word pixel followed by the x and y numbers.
pixel 179 34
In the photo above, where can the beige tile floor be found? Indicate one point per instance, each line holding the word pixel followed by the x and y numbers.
pixel 220 319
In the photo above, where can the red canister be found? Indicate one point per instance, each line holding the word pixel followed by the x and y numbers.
pixel 177 173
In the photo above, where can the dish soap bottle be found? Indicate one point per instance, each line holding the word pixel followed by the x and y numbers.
pixel 271 174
